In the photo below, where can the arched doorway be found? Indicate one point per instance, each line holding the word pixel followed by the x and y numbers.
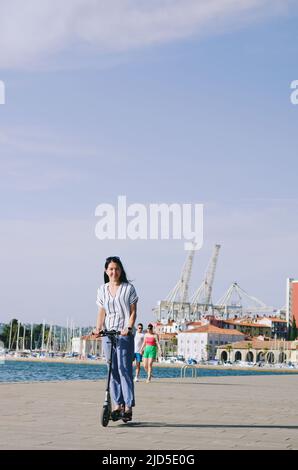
pixel 261 356
pixel 238 356
pixel 270 358
pixel 224 356
pixel 249 356
pixel 282 358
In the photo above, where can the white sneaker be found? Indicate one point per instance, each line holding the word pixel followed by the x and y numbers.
pixel 136 379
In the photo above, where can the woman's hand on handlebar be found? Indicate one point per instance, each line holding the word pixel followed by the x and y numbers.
pixel 126 332
pixel 97 332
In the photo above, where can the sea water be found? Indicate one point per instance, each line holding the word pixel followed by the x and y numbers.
pixel 21 371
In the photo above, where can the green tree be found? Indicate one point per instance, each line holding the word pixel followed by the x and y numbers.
pixel 4 337
pixel 249 347
pixel 6 333
pixel 293 334
pixel 266 349
pixel 289 333
pixel 174 344
pixel 208 350
pixel 229 348
pixel 10 330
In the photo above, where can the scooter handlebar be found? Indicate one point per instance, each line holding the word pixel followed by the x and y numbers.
pixel 109 333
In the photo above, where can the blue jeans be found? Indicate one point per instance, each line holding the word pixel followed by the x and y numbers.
pixel 121 384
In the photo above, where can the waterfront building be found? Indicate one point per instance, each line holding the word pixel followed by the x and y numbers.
pixel 202 343
pixel 169 327
pixel 173 327
pixel 167 333
pixel 190 325
pixel 292 301
pixel 279 327
pixel 259 350
pixel 270 327
pixel 87 345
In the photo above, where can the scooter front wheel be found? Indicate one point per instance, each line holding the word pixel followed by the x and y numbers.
pixel 105 415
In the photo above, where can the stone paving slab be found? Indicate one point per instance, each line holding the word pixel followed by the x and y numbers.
pixel 235 412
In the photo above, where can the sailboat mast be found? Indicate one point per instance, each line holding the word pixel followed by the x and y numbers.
pixel 10 334
pixel 49 338
pixel 42 340
pixel 54 339
pixel 31 337
pixel 24 334
pixel 60 345
pixel 67 336
pixel 18 336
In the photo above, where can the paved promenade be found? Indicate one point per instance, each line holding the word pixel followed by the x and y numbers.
pixel 244 412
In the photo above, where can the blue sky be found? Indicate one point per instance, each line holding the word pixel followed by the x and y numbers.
pixel 203 117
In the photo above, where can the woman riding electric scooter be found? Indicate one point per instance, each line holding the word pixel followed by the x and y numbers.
pixel 117 302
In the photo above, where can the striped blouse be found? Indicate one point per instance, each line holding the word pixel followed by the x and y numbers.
pixel 117 308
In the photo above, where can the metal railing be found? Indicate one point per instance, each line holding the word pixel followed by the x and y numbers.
pixel 191 367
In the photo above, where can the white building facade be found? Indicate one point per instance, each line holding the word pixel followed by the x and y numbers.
pixel 202 343
pixel 259 350
pixel 86 345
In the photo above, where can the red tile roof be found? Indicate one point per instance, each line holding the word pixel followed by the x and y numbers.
pixel 213 329
pixel 278 320
pixel 246 323
pixel 254 325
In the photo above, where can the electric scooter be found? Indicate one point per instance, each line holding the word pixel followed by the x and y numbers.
pixel 107 406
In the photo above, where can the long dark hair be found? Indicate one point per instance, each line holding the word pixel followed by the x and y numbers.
pixel 117 260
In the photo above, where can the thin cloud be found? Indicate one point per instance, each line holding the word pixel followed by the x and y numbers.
pixel 42 142
pixel 35 31
pixel 25 164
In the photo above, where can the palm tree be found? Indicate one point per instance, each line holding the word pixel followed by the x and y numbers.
pixel 249 347
pixel 293 331
pixel 229 348
pixel 174 344
pixel 266 349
